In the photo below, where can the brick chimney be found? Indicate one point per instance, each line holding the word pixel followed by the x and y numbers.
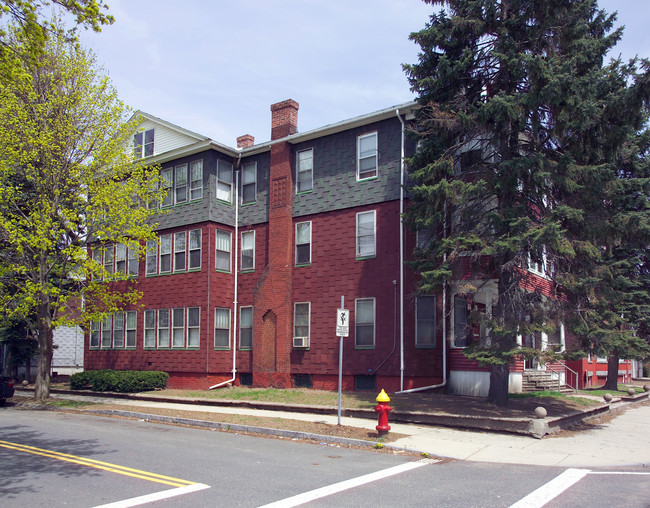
pixel 245 141
pixel 284 119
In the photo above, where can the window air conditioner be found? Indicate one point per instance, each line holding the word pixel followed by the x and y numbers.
pixel 300 342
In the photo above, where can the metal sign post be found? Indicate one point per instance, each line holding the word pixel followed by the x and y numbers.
pixel 342 330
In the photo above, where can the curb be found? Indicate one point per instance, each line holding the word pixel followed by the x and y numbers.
pixel 229 427
pixel 528 426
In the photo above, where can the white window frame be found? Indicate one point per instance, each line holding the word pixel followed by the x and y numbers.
pixel 120 259
pixel 366 174
pixel 540 268
pixel 181 184
pixel 301 340
pixel 130 329
pixel 357 323
pixel 119 325
pixel 224 185
pixel 308 243
pixel 165 250
pixel 143 147
pixel 301 171
pixel 246 309
pixel 249 169
pixel 219 310
pixel 360 255
pixel 196 180
pixel 460 342
pixel 178 327
pixel 194 245
pixel 160 343
pixel 419 320
pixel 151 258
pixel 133 262
pixel 95 334
pixel 193 330
pixel 247 268
pixel 106 333
pixel 149 332
pixel 180 251
pixel 223 234
pixel 109 258
pixel 167 183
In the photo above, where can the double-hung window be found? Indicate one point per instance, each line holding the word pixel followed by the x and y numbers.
pixel 221 328
pixel 120 259
pixel 107 325
pixel 462 328
pixel 150 328
pixel 143 144
pixel 301 324
pixel 167 183
pixel 118 329
pixel 364 320
pixel 304 170
pixel 133 262
pixel 366 234
pixel 196 180
pixel 425 321
pixel 538 263
pixel 367 156
pixel 131 324
pixel 303 243
pixel 249 183
pixel 223 252
pixel 108 259
pixel 163 328
pixel 95 331
pixel 180 183
pixel 152 257
pixel 193 326
pixel 195 249
pixel 180 251
pixel 178 327
pixel 248 250
pixel 165 254
pixel 245 327
pixel 224 181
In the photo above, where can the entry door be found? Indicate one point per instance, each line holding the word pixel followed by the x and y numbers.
pixel 533 341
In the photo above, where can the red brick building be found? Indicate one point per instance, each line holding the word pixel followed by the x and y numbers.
pixel 258 246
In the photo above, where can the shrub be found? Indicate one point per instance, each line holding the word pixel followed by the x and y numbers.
pixel 122 381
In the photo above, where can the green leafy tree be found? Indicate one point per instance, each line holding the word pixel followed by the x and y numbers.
pixel 519 116
pixel 36 24
pixel 611 291
pixel 67 178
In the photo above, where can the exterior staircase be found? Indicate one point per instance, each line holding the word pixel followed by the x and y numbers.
pixel 540 380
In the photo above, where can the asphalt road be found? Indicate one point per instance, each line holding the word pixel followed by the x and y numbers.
pixel 54 459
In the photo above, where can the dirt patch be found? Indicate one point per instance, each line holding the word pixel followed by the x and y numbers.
pixel 322 429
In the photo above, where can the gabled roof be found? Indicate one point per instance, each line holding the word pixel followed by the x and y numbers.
pixel 174 127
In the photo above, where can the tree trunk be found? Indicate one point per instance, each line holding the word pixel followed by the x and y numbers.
pixel 612 372
pixel 499 380
pixel 45 336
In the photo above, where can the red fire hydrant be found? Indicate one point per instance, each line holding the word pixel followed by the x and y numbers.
pixel 382 409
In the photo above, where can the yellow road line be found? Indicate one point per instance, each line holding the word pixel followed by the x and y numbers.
pixel 97 464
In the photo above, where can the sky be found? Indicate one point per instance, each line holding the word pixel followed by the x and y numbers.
pixel 216 66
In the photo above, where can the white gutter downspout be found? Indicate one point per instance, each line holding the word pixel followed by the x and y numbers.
pixel 401 258
pixel 235 303
pixel 444 302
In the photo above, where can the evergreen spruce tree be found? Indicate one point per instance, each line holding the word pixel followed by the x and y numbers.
pixel 521 125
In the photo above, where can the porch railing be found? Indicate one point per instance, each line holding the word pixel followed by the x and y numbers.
pixel 570 376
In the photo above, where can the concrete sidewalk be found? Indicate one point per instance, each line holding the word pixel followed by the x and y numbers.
pixel 623 440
